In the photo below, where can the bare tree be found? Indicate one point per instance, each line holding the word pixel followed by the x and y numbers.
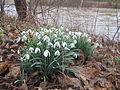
pixel 21 7
pixel 2 3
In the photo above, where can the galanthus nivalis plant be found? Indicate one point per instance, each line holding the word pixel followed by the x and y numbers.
pixel 51 50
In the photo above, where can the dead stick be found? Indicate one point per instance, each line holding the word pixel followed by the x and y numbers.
pixel 116 33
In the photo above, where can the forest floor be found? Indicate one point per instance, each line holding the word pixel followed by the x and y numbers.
pixel 102 72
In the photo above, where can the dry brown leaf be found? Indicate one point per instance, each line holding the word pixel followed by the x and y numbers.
pixel 24 86
pixel 5 65
pixel 14 46
pixel 14 71
pixel 66 80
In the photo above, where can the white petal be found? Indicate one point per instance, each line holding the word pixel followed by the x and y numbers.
pixel 57 44
pixel 75 55
pixel 64 44
pixel 57 53
pixel 46 53
pixel 75 41
pixel 46 38
pixel 39 43
pixel 31 49
pixel 27 56
pixel 67 48
pixel 24 38
pixel 37 50
pixel 72 45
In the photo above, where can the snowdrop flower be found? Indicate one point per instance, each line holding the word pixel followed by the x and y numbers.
pixel 100 46
pixel 62 33
pixel 36 34
pixel 79 34
pixel 42 28
pixel 75 55
pixel 96 45
pixel 26 56
pixel 23 33
pixel 72 45
pixel 89 39
pixel 74 37
pixel 57 53
pixel 24 38
pixel 37 50
pixel 67 29
pixel 39 43
pixel 50 44
pixel 70 32
pixel 85 35
pixel 66 36
pixel 57 44
pixel 31 49
pixel 46 53
pixel 46 38
pixel 18 51
pixel 21 58
pixel 30 31
pixel 75 41
pixel 66 48
pixel 54 35
pixel 45 29
pixel 62 28
pixel 50 31
pixel 64 44
pixel 53 28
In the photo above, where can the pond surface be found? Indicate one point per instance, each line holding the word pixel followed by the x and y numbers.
pixel 95 20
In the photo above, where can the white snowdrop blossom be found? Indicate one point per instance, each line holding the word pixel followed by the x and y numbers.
pixel 23 33
pixel 37 35
pixel 66 48
pixel 21 58
pixel 100 46
pixel 57 53
pixel 70 32
pixel 54 35
pixel 46 53
pixel 30 31
pixel 46 38
pixel 57 44
pixel 64 44
pixel 24 38
pixel 79 34
pixel 50 44
pixel 66 36
pixel 26 56
pixel 18 51
pixel 31 49
pixel 85 35
pixel 89 39
pixel 75 41
pixel 72 45
pixel 75 55
pixel 37 50
pixel 67 29
pixel 62 28
pixel 96 45
pixel 74 37
pixel 39 43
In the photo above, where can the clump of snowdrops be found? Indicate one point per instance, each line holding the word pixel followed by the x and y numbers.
pixel 51 50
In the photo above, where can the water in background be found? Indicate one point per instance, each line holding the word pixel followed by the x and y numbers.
pixel 95 20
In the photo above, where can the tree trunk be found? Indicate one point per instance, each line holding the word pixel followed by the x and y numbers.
pixel 2 3
pixel 21 7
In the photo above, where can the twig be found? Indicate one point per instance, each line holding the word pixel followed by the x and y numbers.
pixel 116 32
